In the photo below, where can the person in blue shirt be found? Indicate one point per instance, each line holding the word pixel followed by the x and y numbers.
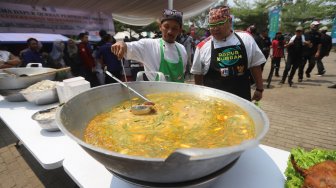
pixel 31 54
pixel 108 59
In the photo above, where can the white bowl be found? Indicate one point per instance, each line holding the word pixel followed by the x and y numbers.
pixel 46 119
pixel 47 96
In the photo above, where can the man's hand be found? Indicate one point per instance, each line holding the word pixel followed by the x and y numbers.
pixel 198 79
pixel 257 95
pixel 119 49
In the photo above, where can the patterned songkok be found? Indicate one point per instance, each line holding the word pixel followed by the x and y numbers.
pixel 219 14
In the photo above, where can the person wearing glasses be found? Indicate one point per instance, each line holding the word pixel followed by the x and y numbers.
pixel 222 60
pixel 161 54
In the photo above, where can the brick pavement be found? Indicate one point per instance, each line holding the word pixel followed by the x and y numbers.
pixel 18 168
pixel 302 115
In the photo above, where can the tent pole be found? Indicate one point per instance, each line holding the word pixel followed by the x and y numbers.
pixel 170 4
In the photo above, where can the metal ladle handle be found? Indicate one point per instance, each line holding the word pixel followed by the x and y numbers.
pixel 125 85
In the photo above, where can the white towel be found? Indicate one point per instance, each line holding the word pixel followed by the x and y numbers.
pixel 293 38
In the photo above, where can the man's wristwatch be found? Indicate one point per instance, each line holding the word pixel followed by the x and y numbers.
pixel 260 90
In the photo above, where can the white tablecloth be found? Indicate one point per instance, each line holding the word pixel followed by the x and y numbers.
pixel 47 147
pixel 260 167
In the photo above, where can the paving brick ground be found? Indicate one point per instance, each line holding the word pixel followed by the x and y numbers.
pixel 300 116
pixel 305 114
pixel 18 168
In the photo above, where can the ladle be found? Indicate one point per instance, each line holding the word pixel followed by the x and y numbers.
pixel 137 109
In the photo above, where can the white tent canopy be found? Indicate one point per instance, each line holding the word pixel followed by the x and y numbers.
pixel 23 37
pixel 148 34
pixel 133 12
pixel 123 34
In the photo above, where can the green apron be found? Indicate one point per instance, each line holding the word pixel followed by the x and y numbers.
pixel 172 71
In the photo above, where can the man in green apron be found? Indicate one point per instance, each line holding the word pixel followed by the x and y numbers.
pixel 162 54
pixel 224 60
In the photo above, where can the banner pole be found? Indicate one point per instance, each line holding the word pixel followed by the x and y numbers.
pixel 170 4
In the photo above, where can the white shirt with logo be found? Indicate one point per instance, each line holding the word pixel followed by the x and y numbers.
pixel 202 56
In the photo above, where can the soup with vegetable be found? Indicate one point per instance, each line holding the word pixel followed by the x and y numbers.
pixel 181 120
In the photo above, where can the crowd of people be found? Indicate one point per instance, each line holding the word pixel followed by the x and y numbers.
pixel 303 47
pixel 226 59
pixel 85 59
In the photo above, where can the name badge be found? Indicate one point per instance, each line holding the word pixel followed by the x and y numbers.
pixel 224 72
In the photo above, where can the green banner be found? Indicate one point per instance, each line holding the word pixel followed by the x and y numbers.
pixel 274 21
pixel 333 32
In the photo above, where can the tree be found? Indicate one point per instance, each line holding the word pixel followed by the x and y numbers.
pixel 247 14
pixel 303 12
pixel 153 27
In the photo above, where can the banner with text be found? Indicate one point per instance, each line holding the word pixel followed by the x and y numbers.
pixel 274 21
pixel 19 18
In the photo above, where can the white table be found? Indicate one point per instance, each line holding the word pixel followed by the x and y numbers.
pixel 260 167
pixel 47 147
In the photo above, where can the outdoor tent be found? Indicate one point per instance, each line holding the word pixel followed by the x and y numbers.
pixel 123 34
pixel 133 12
pixel 15 42
pixel 23 37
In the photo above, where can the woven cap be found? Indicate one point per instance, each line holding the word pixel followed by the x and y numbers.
pixel 219 14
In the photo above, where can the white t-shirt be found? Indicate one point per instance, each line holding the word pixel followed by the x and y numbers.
pixel 147 51
pixel 4 55
pixel 202 56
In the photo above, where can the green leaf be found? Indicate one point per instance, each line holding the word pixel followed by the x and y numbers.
pixel 305 160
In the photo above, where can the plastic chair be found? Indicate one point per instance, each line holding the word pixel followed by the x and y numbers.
pixel 160 75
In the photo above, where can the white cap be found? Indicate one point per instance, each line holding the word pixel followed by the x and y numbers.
pixel 315 23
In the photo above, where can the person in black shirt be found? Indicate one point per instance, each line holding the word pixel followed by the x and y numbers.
pixel 259 41
pixel 294 57
pixel 102 34
pixel 266 44
pixel 314 37
pixel 326 45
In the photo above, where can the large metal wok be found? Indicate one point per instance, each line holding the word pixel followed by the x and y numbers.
pixel 8 81
pixel 182 165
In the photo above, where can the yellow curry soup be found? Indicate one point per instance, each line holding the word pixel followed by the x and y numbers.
pixel 181 120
